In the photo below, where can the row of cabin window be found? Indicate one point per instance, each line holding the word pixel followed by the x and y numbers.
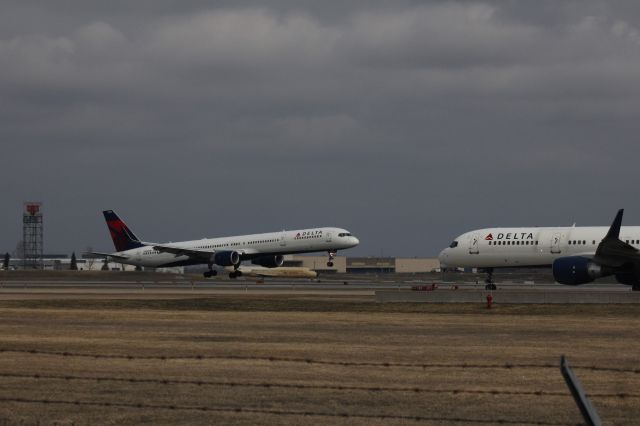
pixel 512 243
pixel 237 244
pixel 570 242
pixel 576 242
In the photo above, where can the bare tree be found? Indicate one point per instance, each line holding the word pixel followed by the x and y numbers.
pixel 18 252
pixel 90 258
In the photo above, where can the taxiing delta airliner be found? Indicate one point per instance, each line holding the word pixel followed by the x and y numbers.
pixel 577 255
pixel 261 249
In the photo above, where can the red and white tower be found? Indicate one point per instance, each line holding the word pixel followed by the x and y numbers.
pixel 32 235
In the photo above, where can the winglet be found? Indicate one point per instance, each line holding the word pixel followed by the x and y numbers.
pixel 614 231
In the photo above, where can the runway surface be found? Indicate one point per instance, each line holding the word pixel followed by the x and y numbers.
pixel 66 289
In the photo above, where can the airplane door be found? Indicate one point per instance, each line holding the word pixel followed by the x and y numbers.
pixel 555 243
pixel 474 243
pixel 283 241
pixel 328 237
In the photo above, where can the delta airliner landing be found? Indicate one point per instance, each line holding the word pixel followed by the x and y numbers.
pixel 265 250
pixel 577 255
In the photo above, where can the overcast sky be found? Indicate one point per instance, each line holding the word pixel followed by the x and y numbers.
pixel 405 122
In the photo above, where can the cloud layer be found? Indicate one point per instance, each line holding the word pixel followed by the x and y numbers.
pixel 406 123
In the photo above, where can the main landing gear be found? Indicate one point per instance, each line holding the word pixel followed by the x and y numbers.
pixel 489 284
pixel 210 273
pixel 332 255
pixel 235 273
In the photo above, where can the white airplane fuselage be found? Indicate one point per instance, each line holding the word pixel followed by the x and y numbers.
pixel 252 246
pixel 527 247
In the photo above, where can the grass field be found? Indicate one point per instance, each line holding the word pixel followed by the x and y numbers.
pixel 292 360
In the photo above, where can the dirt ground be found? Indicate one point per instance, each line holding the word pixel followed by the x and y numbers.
pixel 273 360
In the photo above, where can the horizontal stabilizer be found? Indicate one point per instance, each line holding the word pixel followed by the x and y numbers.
pixel 113 256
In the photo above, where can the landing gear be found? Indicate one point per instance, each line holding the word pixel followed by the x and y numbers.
pixel 489 284
pixel 210 273
pixel 332 255
pixel 235 274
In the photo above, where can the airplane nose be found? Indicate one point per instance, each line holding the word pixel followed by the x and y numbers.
pixel 356 241
pixel 443 256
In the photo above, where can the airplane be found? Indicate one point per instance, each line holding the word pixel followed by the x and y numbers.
pixel 261 249
pixel 576 255
pixel 283 272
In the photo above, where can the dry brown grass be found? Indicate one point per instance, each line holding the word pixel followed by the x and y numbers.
pixel 318 329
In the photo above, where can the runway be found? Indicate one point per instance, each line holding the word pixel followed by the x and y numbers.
pixel 393 290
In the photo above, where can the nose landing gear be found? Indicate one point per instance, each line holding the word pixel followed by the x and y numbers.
pixel 489 284
pixel 332 255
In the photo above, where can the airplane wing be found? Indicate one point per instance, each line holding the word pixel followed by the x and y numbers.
pixel 198 253
pixel 612 251
pixel 182 251
pixel 114 256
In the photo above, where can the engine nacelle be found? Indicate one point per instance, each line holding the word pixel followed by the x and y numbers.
pixel 576 270
pixel 269 261
pixel 226 258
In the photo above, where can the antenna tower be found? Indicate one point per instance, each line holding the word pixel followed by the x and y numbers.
pixel 32 235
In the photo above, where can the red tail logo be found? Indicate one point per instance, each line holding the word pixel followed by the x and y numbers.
pixel 489 237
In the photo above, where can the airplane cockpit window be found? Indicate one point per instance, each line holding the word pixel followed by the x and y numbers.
pixel 344 234
pixel 453 244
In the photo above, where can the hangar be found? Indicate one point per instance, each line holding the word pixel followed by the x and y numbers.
pixel 365 265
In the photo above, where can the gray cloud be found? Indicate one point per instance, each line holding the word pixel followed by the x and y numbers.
pixel 407 123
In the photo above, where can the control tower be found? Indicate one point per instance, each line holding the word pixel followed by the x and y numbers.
pixel 32 235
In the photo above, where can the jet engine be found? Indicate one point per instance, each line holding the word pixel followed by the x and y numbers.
pixel 576 270
pixel 226 258
pixel 269 261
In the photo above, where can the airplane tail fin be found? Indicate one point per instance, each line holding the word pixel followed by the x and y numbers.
pixel 123 238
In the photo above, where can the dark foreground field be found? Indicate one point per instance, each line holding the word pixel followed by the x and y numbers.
pixel 245 361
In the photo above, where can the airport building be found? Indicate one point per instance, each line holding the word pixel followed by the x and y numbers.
pixel 365 265
pixel 62 262
pixel 341 264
